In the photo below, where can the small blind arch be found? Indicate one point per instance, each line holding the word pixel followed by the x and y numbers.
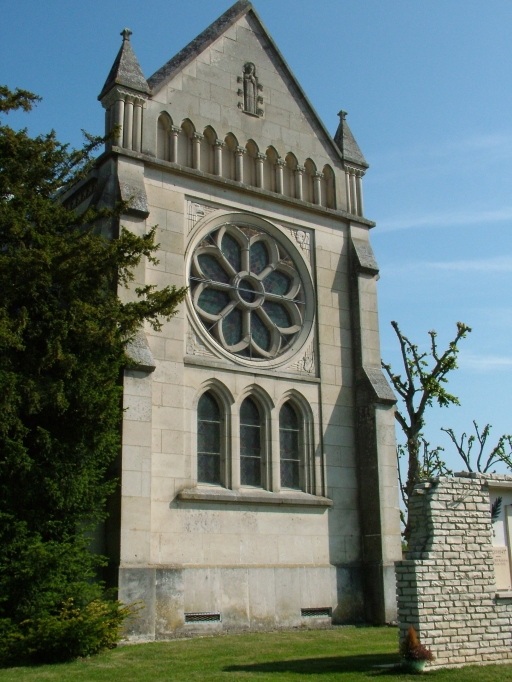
pixel 209 422
pixel 163 137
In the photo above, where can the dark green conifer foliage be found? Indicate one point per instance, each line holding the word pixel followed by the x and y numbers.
pixel 63 332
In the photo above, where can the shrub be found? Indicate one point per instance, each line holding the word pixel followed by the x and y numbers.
pixel 412 650
pixel 71 633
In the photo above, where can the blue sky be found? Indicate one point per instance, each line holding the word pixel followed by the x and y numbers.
pixel 427 85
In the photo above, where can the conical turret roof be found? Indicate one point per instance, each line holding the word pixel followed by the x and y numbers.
pixel 126 70
pixel 347 143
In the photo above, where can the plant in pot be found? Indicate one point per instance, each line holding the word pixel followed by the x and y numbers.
pixel 414 654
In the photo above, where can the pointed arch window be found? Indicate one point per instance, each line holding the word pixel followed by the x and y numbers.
pixel 250 444
pixel 209 420
pixel 290 446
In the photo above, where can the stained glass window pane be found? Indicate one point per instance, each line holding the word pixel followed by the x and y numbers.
pixel 208 408
pixel 259 257
pixel 212 269
pixel 249 413
pixel 208 437
pixel 250 471
pixel 208 440
pixel 231 250
pixel 289 444
pixel 232 327
pixel 246 288
pixel 288 417
pixel 213 301
pixel 278 314
pixel 290 477
pixel 277 283
pixel 208 468
pixel 250 440
pixel 260 333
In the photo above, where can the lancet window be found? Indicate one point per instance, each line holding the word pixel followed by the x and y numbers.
pixel 209 443
pixel 290 445
pixel 250 444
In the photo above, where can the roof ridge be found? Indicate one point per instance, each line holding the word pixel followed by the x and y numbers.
pixel 199 43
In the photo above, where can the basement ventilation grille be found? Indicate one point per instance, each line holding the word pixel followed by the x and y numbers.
pixel 318 612
pixel 203 617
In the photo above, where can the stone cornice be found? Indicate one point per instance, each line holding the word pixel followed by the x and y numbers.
pixel 121 92
pixel 170 167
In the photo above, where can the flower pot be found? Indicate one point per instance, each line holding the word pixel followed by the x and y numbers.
pixel 416 666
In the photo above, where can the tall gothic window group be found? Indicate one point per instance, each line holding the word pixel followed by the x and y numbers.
pixel 211 448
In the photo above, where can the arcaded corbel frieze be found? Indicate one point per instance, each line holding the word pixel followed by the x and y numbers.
pixel 365 258
pixel 355 170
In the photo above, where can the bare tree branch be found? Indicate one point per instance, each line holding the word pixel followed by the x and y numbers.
pixel 423 383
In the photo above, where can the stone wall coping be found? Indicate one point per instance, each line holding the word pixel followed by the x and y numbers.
pixel 503 595
pixel 499 484
pixel 223 495
pixel 485 477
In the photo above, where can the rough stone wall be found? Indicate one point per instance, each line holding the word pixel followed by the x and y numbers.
pixel 446 586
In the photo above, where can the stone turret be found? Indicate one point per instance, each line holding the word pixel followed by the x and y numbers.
pixel 355 165
pixel 123 96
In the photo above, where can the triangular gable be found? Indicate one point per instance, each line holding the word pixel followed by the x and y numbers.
pixel 219 27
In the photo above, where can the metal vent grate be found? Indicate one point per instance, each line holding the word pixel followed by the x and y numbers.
pixel 202 617
pixel 311 613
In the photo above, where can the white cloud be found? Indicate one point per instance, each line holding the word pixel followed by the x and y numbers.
pixel 498 264
pixel 477 265
pixel 446 219
pixel 484 363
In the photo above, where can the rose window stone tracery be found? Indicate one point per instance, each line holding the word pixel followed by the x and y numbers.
pixel 247 292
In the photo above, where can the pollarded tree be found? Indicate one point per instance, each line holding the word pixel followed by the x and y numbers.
pixel 422 385
pixel 63 334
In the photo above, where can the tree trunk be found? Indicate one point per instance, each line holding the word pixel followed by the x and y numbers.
pixel 413 475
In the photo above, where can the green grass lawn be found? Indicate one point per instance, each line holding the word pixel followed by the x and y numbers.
pixel 344 654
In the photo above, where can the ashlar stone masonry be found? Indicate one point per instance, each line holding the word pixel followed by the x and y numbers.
pixel 258 468
pixel 454 585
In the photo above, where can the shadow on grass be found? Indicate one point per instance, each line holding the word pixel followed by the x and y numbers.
pixel 318 666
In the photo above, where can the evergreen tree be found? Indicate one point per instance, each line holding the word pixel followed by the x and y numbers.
pixel 63 334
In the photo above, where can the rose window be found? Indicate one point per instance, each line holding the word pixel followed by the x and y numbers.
pixel 247 292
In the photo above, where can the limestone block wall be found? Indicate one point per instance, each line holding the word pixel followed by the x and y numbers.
pixel 446 587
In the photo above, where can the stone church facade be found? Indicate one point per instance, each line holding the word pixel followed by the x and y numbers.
pixel 258 469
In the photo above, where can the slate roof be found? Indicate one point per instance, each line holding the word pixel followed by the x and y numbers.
pixel 126 70
pixel 344 143
pixel 347 143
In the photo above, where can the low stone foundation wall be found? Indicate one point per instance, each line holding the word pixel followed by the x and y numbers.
pixel 187 601
pixel 446 586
